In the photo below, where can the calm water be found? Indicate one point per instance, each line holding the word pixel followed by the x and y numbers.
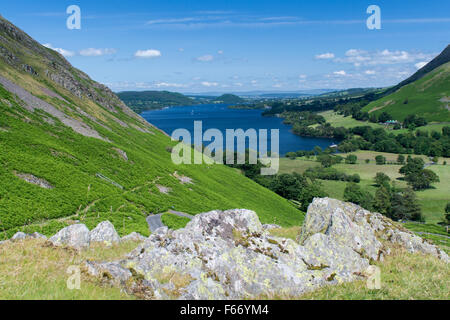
pixel 222 118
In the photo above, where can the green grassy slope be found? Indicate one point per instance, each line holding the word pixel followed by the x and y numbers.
pixel 428 97
pixel 39 144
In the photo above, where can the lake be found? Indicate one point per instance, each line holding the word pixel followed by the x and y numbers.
pixel 220 117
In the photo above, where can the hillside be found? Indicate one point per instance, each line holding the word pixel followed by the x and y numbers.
pixel 140 101
pixel 229 99
pixel 72 151
pixel 426 93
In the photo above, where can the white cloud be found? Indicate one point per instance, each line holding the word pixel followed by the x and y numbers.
pixel 421 64
pixel 370 72
pixel 325 56
pixel 220 52
pixel 359 57
pixel 209 84
pixel 65 53
pixel 169 85
pixel 205 58
pixel 181 49
pixel 340 73
pixel 302 76
pixel 93 52
pixel 150 53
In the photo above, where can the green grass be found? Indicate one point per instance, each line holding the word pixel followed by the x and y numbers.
pixel 32 270
pixel 423 97
pixel 404 276
pixel 338 120
pixel 173 221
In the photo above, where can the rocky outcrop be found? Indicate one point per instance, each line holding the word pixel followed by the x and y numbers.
pixel 104 233
pixel 76 236
pixel 134 236
pixel 229 255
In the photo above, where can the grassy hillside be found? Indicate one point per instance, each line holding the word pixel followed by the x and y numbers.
pixel 428 97
pixel 229 99
pixel 72 151
pixel 140 101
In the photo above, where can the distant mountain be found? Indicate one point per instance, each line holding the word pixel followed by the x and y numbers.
pixel 425 94
pixel 229 99
pixel 140 101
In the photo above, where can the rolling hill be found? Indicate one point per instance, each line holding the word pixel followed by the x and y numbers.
pixel 71 150
pixel 140 101
pixel 426 93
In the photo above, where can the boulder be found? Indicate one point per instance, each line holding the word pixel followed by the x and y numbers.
pixel 37 235
pixel 134 236
pixel 111 271
pixel 104 233
pixel 19 236
pixel 76 236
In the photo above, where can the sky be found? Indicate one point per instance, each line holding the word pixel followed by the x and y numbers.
pixel 203 46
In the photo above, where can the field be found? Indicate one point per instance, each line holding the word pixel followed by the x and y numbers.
pixel 338 120
pixel 433 200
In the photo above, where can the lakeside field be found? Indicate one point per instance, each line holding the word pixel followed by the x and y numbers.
pixel 432 201
pixel 338 120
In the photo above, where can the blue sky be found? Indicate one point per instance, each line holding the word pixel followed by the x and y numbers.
pixel 232 46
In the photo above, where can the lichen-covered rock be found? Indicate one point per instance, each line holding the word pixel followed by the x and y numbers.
pixel 134 236
pixel 104 233
pixel 37 235
pixel 110 271
pixel 19 236
pixel 76 236
pixel 230 255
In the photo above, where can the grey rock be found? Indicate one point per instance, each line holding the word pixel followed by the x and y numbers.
pixel 37 235
pixel 134 236
pixel 345 223
pixel 268 227
pixel 112 271
pixel 105 233
pixel 76 236
pixel 19 236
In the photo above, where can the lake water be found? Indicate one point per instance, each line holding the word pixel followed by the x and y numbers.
pixel 221 117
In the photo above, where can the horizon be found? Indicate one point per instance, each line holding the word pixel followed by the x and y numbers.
pixel 233 47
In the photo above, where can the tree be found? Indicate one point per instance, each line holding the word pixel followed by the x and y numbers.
pixel 382 179
pixel 422 179
pixel 447 214
pixel 384 117
pixel 354 193
pixel 401 159
pixel 405 206
pixel 351 159
pixel 380 160
pixel 382 201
